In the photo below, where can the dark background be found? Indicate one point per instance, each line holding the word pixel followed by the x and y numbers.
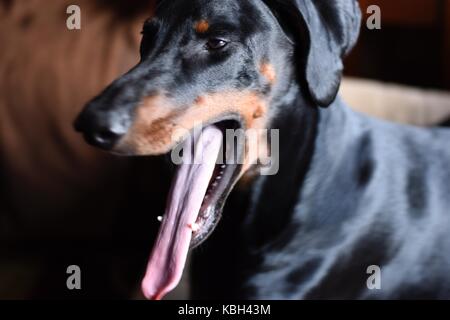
pixel 413 46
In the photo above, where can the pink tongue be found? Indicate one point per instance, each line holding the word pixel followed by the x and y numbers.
pixel 168 257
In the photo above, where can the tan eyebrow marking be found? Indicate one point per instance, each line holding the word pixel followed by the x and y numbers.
pixel 201 26
pixel 268 71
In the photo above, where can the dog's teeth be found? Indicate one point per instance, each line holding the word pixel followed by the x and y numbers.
pixel 218 177
pixel 194 227
pixel 214 184
pixel 223 166
pixel 160 218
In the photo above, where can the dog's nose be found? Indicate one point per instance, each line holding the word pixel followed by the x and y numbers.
pixel 102 129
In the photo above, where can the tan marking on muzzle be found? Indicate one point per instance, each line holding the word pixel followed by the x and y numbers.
pixel 201 26
pixel 159 124
pixel 268 71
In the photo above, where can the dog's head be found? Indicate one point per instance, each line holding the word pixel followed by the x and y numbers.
pixel 215 65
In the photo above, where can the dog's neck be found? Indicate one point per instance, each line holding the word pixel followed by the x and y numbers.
pixel 266 217
pixel 274 196
pixel 314 144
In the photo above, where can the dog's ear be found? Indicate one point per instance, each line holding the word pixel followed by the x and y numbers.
pixel 329 29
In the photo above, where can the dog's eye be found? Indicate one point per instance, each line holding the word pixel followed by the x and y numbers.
pixel 216 44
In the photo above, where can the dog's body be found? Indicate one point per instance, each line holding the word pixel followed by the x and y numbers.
pixel 351 192
pixel 375 193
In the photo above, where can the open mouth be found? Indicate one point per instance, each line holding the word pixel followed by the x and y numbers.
pixel 211 165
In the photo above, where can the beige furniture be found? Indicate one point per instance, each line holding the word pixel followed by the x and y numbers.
pixel 396 102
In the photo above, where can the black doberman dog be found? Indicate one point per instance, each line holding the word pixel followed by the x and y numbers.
pixel 360 208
